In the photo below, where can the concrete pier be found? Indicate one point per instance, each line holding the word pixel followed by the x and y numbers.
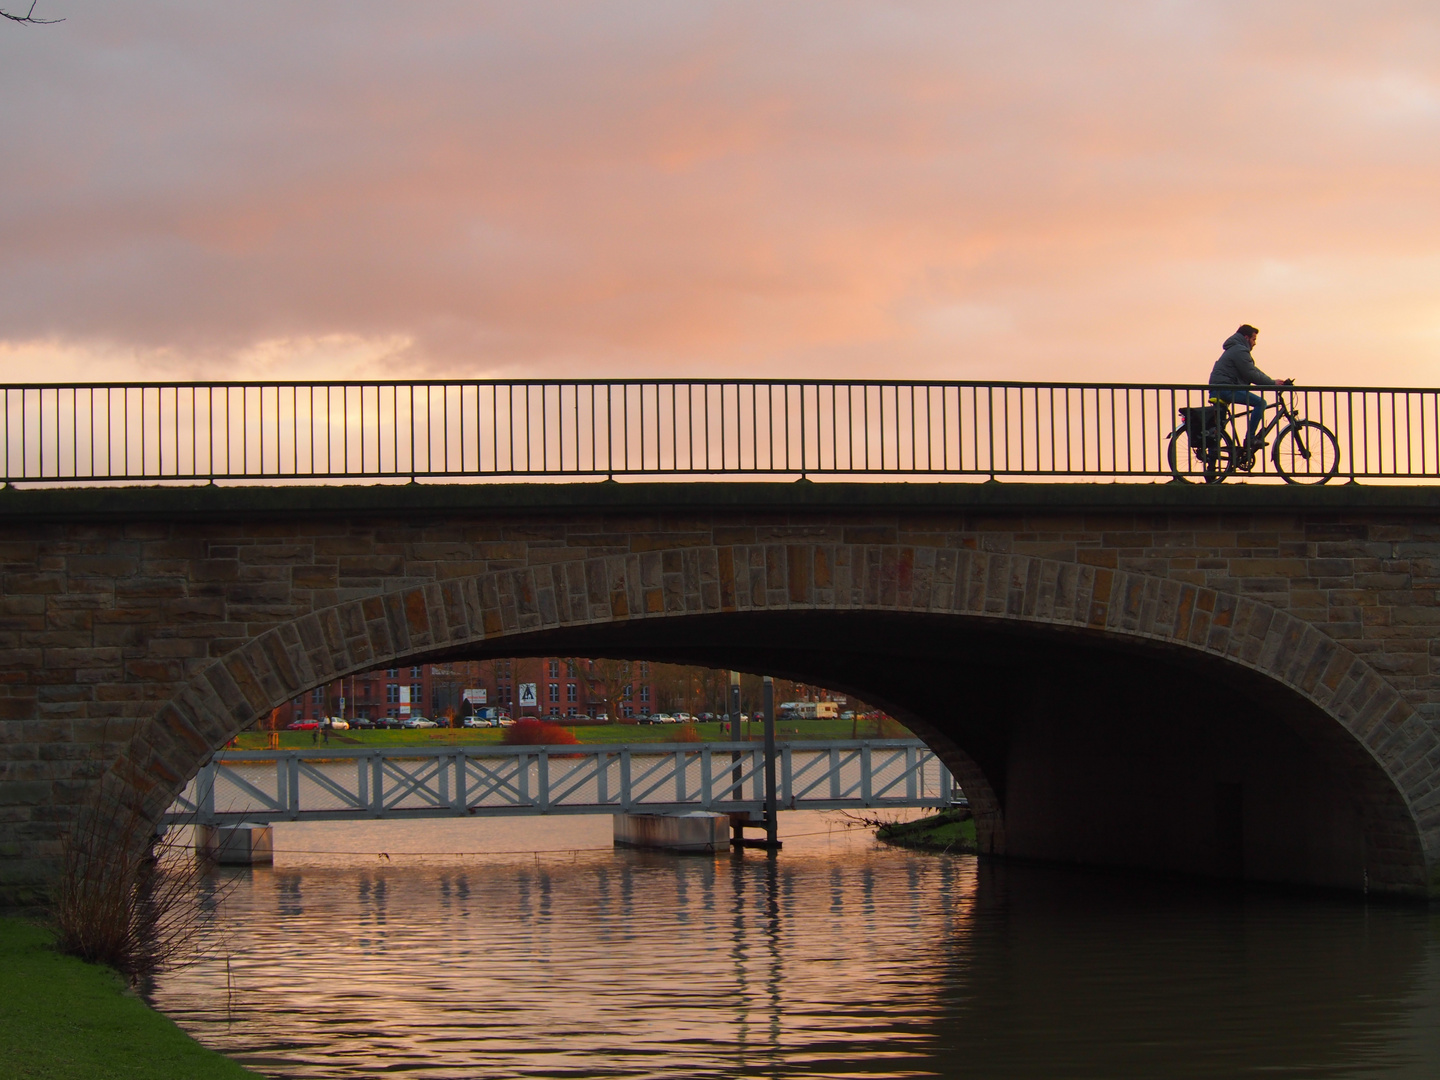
pixel 698 831
pixel 236 845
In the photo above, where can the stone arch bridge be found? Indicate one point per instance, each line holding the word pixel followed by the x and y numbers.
pixel 1232 682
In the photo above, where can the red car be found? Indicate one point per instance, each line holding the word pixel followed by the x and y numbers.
pixel 303 725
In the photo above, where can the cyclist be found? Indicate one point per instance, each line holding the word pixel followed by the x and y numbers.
pixel 1236 367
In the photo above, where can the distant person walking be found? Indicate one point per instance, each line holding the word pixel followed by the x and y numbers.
pixel 1236 368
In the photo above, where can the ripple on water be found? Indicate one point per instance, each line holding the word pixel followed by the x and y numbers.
pixel 839 958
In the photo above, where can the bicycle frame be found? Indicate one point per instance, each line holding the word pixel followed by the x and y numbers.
pixel 1284 411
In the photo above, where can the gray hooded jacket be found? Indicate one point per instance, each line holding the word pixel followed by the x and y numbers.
pixel 1236 367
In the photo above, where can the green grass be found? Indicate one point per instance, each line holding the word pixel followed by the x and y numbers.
pixel 64 1019
pixel 586 733
pixel 951 830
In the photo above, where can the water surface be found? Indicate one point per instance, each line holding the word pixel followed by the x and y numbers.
pixel 527 947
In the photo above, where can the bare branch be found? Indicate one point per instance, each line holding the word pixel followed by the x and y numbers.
pixel 29 17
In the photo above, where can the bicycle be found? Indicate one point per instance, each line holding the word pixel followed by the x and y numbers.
pixel 1305 452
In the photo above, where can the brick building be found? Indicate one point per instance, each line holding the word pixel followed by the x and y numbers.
pixel 565 687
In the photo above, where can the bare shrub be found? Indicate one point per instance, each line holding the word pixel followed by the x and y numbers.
pixel 687 733
pixel 128 898
pixel 538 733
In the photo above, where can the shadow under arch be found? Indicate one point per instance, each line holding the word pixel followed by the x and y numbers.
pixel 1021 677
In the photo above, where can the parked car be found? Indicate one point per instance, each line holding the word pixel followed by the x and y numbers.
pixel 707 717
pixel 362 723
pixel 303 725
pixel 505 721
pixel 420 722
pixel 476 722
pixel 338 724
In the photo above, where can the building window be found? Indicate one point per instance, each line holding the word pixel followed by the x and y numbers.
pixel 627 711
pixel 554 691
pixel 572 692
pixel 300 702
pixel 554 710
pixel 417 694
pixel 365 690
pixel 645 694
pixel 554 669
pixel 572 711
pixel 392 672
pixel 569 669
pixel 317 695
pixel 415 672
pixel 392 694
pixel 391 713
pixel 644 669
pixel 628 693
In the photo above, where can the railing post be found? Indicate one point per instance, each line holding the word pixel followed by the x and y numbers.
pixel 457 794
pixel 627 794
pixel 542 779
pixel 865 762
pixel 205 794
pixel 787 779
pixel 292 806
pixel 282 784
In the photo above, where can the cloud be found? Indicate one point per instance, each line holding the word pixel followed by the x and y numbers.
pixel 929 189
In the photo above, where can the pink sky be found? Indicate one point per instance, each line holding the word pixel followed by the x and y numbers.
pixel 1095 191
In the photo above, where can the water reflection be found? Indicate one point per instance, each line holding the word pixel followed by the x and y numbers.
pixel 844 961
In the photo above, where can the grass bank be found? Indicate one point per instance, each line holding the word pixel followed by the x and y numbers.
pixel 952 831
pixel 586 733
pixel 64 1019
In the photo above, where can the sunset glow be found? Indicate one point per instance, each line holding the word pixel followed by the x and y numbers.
pixel 930 190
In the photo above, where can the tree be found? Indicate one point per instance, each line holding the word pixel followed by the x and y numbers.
pixel 609 677
pixel 29 17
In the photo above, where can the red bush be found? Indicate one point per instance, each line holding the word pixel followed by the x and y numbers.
pixel 538 733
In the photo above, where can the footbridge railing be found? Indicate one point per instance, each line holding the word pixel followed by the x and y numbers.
pixel 691 428
pixel 265 786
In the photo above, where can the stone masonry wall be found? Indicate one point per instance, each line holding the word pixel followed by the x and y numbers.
pixel 137 642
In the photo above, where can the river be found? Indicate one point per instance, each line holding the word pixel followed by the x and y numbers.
pixel 528 947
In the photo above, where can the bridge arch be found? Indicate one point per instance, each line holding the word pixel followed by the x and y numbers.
pixel 715 600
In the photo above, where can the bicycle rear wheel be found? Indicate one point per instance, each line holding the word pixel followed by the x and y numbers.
pixel 1210 465
pixel 1306 453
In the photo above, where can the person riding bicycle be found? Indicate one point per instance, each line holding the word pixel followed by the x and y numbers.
pixel 1235 368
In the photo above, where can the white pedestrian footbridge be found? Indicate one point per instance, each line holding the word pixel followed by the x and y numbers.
pixel 323 784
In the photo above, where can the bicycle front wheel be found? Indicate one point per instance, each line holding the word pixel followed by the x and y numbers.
pixel 1306 453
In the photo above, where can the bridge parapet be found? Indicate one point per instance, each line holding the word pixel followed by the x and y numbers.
pixel 686 428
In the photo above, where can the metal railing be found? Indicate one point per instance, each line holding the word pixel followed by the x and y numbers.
pixel 279 432
pixel 263 786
